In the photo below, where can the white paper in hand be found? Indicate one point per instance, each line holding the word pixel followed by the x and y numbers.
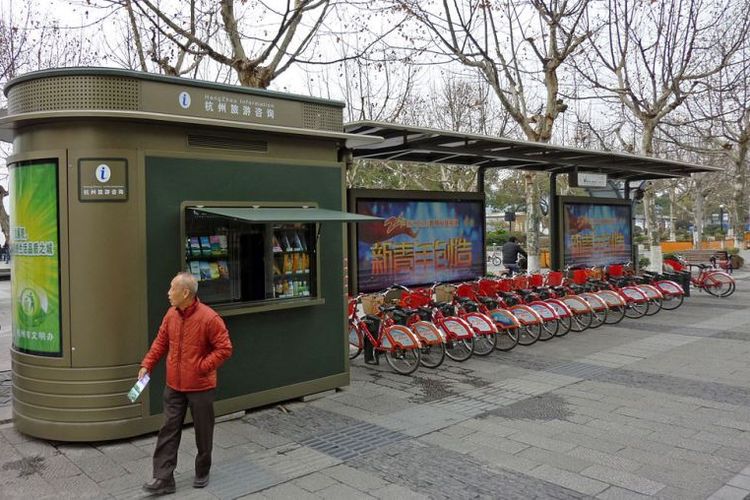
pixel 136 390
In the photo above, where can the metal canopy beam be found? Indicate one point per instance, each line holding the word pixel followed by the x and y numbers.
pixel 424 145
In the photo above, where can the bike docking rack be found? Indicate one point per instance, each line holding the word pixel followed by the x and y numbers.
pixel 460 320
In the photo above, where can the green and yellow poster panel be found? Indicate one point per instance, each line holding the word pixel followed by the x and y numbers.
pixel 35 263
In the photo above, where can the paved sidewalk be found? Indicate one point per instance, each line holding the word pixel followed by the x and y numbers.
pixel 657 407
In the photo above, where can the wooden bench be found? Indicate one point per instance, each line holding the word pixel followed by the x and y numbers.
pixel 715 258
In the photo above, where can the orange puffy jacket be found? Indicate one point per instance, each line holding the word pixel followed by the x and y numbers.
pixel 196 342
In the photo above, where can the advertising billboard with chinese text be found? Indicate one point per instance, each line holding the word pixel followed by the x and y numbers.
pixel 596 232
pixel 419 241
pixel 35 263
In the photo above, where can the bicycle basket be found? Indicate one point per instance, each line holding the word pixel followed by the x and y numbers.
pixel 444 293
pixel 536 280
pixel 579 276
pixel 554 278
pixel 371 303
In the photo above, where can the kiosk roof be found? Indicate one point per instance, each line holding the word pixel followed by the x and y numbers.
pixel 425 145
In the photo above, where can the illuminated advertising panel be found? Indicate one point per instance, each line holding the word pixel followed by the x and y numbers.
pixel 35 263
pixel 419 241
pixel 596 232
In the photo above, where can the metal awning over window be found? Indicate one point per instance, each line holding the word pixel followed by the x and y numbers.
pixel 277 214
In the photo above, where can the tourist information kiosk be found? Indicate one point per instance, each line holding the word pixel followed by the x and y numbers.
pixel 119 180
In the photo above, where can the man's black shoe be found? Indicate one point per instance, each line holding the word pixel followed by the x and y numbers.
pixel 160 486
pixel 200 481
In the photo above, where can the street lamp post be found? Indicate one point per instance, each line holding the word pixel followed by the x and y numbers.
pixel 721 222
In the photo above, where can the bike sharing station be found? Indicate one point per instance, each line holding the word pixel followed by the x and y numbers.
pixel 120 179
pixel 427 237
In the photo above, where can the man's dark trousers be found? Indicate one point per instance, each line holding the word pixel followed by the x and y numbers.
pixel 176 403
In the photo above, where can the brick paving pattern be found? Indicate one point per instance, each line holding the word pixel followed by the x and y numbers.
pixel 651 408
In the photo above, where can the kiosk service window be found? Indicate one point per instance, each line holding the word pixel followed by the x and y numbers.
pixel 240 261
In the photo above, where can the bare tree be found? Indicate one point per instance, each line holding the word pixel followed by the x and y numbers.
pixel 519 49
pixel 30 41
pixel 653 56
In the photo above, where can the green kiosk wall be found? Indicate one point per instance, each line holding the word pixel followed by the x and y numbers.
pixel 110 170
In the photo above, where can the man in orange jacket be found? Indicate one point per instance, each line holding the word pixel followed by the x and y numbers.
pixel 196 343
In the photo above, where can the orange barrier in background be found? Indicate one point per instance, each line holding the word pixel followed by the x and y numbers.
pixel 677 246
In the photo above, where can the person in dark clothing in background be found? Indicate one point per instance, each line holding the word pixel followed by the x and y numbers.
pixel 511 250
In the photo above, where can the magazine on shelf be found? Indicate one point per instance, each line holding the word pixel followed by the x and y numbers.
pixel 205 246
pixel 285 243
pixel 195 269
pixel 205 270
pixel 297 242
pixel 223 269
pixel 195 246
pixel 214 268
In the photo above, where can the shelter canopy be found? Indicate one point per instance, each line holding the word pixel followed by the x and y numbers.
pixel 425 145
pixel 282 214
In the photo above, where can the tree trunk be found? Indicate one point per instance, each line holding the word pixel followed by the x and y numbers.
pixel 672 202
pixel 4 218
pixel 739 188
pixel 698 213
pixel 532 222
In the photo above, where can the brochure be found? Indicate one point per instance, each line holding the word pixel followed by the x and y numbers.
pixel 214 268
pixel 137 389
pixel 276 245
pixel 205 270
pixel 223 269
pixel 195 246
pixel 205 246
pixel 297 242
pixel 195 269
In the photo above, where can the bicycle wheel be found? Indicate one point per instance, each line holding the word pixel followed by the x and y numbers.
pixel 636 310
pixel 615 314
pixel 565 323
pixel 581 321
pixel 403 361
pixel 485 343
pixel 529 334
pixel 719 285
pixel 549 330
pixel 460 350
pixel 355 341
pixel 654 306
pixel 672 302
pixel 598 318
pixel 496 261
pixel 507 339
pixel 433 355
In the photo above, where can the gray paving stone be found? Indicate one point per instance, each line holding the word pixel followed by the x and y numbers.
pixel 563 461
pixel 623 479
pixel 617 493
pixel 729 493
pixel 740 481
pixel 587 441
pixel 355 478
pixel 289 490
pixel 568 479
pixel 314 482
pixel 601 458
pixel 445 474
pixel 700 479
pixel 397 492
pixel 542 442
pixel 342 492
pixel 100 468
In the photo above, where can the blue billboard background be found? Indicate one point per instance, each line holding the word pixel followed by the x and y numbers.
pixel 419 242
pixel 596 234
